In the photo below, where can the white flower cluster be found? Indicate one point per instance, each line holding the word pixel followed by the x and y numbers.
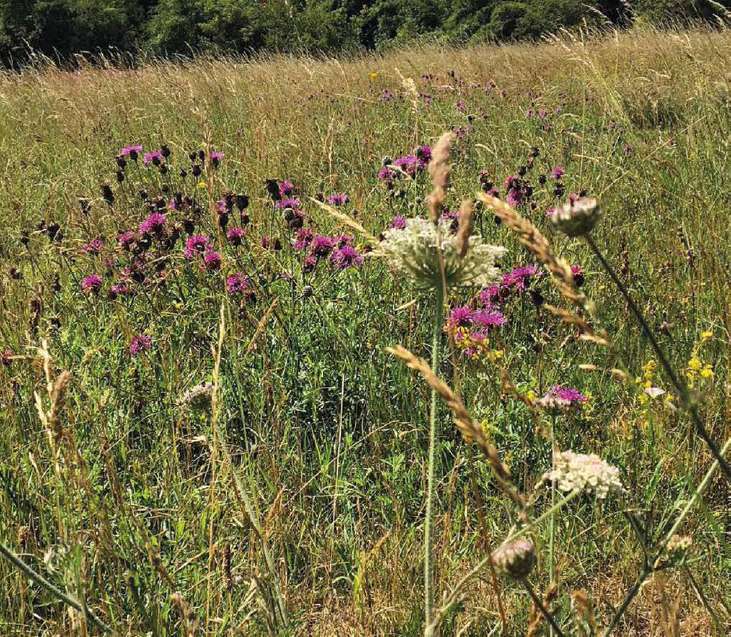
pixel 197 396
pixel 413 250
pixel 584 472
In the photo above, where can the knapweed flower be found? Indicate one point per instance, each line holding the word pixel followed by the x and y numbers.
pixel 121 288
pixel 216 158
pixel 561 398
pixel 140 343
pixel 338 199
pixel 6 357
pixel 153 157
pixel 303 238
pixel 584 472
pixel 126 239
pixel 516 558
pixel 131 151
pixel 212 260
pixel 196 244
pixel 238 284
pixel 292 203
pixel 93 247
pixel 154 224
pixel 398 222
pixel 321 245
pixel 346 257
pixel 577 273
pixel 578 217
pixel 235 235
pixel 519 278
pixel 419 249
pixel 557 172
pixel 91 283
pixel 286 188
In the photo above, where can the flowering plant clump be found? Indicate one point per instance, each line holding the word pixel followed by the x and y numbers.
pixel 470 329
pixel 561 398
pixel 587 473
pixel 406 165
pixel 416 251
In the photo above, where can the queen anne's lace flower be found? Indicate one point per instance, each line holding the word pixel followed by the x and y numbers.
pixel 577 217
pixel 412 250
pixel 584 472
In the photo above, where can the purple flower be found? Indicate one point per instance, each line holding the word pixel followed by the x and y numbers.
pixel 196 244
pixel 235 235
pixel 6 357
pixel 154 224
pixel 460 317
pixel 121 288
pixel 398 222
pixel 131 151
pixel 386 95
pixel 345 257
pixel 216 157
pixel 91 283
pixel 487 319
pixel 239 284
pixel 93 247
pixel 222 206
pixel 303 238
pixel 338 199
pixel 560 397
pixel 308 265
pixel 126 239
pixel 490 295
pixel 321 245
pixel 292 203
pixel 520 277
pixel 286 188
pixel 140 343
pixel 153 157
pixel 557 172
pixel 385 174
pixel 212 260
pixel 461 106
pixel 423 154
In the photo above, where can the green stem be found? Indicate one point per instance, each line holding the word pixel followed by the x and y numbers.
pixel 680 386
pixel 42 581
pixel 431 463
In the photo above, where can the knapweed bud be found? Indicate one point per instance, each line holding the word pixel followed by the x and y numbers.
pixel 578 217
pixel 516 559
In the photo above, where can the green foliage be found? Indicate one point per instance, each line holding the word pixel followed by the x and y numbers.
pixel 166 27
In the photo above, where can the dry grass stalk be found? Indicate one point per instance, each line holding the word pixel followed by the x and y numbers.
pixel 470 430
pixel 537 244
pixel 189 620
pixel 439 170
pixel 466 226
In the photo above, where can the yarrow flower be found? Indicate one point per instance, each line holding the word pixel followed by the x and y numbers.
pixel 561 398
pixel 584 472
pixel 91 283
pixel 140 343
pixel 415 251
pixel 576 217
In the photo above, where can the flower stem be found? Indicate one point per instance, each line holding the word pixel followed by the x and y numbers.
pixel 431 463
pixel 676 380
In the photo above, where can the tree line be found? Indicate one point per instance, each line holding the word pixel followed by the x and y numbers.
pixel 60 28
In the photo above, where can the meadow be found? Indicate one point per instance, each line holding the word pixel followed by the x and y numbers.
pixel 207 426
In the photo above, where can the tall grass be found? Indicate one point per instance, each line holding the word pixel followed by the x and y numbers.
pixel 293 502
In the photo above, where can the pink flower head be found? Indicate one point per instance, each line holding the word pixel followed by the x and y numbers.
pixel 196 244
pixel 460 317
pixel 560 397
pixel 154 224
pixel 557 172
pixel 293 203
pixel 398 222
pixel 578 273
pixel 126 239
pixel 216 157
pixel 212 260
pixel 153 157
pixel 345 257
pixel 488 319
pixel 338 199
pixel 93 247
pixel 140 343
pixel 131 151
pixel 321 245
pixel 286 188
pixel 91 283
pixel 235 235
pixel 239 284
pixel 303 238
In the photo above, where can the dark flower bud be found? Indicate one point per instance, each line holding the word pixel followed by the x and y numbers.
pixel 24 238
pixel 15 274
pixel 307 291
pixel 163 169
pixel 196 170
pixel 296 222
pixel 272 186
pixel 138 276
pixel 53 230
pixel 188 226
pixel 143 195
pixel 107 194
pixel 223 220
pixel 245 220
pixel 277 244
pixel 534 152
pixel 516 559
pixel 536 298
pixel 156 161
pixel 183 173
pixel 165 151
pixel 242 202
pixel 85 205
pixel 522 170
pixel 192 156
pixel 121 162
pixel 120 176
pixel 541 179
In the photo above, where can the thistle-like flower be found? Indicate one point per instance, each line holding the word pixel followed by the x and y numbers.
pixel 415 251
pixel 584 472
pixel 515 558
pixel 577 217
